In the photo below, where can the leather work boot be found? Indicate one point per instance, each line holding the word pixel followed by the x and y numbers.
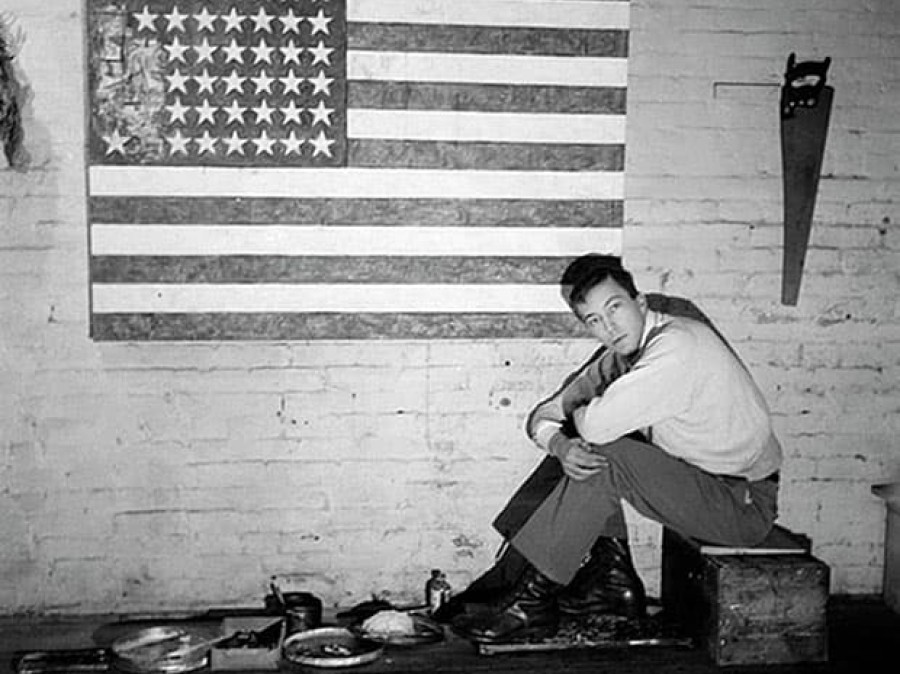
pixel 490 589
pixel 608 583
pixel 531 611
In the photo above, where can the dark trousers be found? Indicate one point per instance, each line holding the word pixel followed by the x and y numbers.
pixel 553 521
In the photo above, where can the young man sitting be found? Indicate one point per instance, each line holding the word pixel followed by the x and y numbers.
pixel 665 416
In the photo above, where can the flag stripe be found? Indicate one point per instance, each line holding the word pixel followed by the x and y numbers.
pixel 320 240
pixel 482 39
pixel 314 326
pixel 486 156
pixel 324 297
pixel 340 212
pixel 512 13
pixel 324 269
pixel 482 127
pixel 486 68
pixel 353 183
pixel 486 97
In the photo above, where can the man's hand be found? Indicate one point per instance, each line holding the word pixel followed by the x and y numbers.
pixel 575 455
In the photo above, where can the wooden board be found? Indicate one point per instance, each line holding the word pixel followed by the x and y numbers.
pixel 780 541
pixel 600 632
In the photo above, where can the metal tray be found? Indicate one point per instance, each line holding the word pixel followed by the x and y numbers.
pixel 147 651
pixel 330 648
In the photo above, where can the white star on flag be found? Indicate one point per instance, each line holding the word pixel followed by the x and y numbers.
pixel 263 143
pixel 233 83
pixel 263 112
pixel 146 20
pixel 291 22
pixel 233 20
pixel 234 143
pixel 206 113
pixel 263 52
pixel 205 21
pixel 262 21
pixel 235 113
pixel 293 143
pixel 178 143
pixel 291 82
pixel 177 110
pixel 291 52
pixel 178 81
pixel 175 20
pixel 176 50
pixel 321 144
pixel 321 54
pixel 263 82
pixel 292 113
pixel 205 51
pixel 115 142
pixel 321 114
pixel 319 23
pixel 233 52
pixel 321 84
pixel 206 143
pixel 205 81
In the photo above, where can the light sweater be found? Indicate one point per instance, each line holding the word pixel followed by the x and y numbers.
pixel 686 387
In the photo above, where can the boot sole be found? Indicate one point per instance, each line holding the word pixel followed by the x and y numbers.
pixel 523 635
pixel 602 610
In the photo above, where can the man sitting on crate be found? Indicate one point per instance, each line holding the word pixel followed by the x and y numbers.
pixel 663 415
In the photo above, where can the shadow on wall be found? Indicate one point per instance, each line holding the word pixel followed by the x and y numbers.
pixel 25 142
pixel 11 96
pixel 680 306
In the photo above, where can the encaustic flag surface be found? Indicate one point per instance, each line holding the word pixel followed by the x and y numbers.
pixel 349 169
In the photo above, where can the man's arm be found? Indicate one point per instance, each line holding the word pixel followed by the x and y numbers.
pixel 550 424
pixel 657 388
pixel 553 415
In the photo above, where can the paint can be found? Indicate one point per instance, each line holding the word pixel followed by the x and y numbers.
pixel 303 611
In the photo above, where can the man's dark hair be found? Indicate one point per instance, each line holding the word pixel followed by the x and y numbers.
pixel 591 270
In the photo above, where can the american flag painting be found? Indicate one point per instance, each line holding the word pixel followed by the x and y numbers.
pixel 349 169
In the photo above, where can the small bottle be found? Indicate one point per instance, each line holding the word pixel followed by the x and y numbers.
pixel 437 590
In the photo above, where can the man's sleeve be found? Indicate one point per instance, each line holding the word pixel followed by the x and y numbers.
pixel 554 413
pixel 657 388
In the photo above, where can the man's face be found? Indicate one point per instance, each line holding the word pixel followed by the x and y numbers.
pixel 614 317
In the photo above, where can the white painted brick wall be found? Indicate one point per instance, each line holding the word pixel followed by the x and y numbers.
pixel 167 476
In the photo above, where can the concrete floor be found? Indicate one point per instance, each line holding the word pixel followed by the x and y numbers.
pixel 863 635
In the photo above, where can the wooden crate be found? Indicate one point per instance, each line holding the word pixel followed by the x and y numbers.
pixel 763 605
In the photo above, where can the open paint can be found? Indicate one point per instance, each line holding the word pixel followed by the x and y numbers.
pixel 303 611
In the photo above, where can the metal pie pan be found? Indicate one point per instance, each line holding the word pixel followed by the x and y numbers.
pixel 145 651
pixel 330 648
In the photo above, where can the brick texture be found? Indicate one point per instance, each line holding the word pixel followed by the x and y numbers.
pixel 170 476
